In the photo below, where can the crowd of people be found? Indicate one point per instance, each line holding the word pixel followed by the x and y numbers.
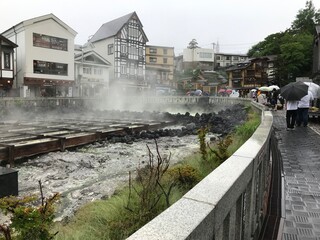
pixel 271 99
pixel 296 111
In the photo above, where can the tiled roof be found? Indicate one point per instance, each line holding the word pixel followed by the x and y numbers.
pixel 111 28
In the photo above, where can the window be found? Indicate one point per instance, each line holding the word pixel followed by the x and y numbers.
pixel 205 55
pixel 228 58
pixel 45 41
pixel 153 59
pixel 97 71
pixel 7 60
pixel 165 51
pixel 123 48
pixel 87 70
pixel 132 69
pixel 53 68
pixel 123 69
pixel 153 50
pixel 218 58
pixel 235 58
pixel 133 32
pixel 110 49
pixel 165 60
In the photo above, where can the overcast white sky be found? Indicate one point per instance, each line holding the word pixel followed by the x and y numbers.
pixel 235 24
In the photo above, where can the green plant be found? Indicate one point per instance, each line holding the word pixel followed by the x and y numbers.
pixel 185 176
pixel 221 152
pixel 27 220
pixel 202 132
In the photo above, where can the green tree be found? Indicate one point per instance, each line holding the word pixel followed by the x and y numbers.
pixel 293 47
pixel 193 44
pixel 306 19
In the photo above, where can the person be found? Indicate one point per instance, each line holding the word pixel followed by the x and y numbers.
pixel 291 113
pixel 274 99
pixel 262 98
pixel 303 109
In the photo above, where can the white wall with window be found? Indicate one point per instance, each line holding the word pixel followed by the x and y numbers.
pixel 198 55
pixel 45 52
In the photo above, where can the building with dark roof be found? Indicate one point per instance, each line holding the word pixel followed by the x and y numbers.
pixel 122 42
pixel 6 65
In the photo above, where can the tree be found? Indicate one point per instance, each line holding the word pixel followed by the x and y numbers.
pixel 306 19
pixel 293 47
pixel 193 44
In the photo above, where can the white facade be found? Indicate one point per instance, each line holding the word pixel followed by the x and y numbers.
pixel 101 47
pixel 223 60
pixel 52 33
pixel 198 55
pixel 92 75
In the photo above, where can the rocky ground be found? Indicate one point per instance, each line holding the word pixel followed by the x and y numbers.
pixel 96 170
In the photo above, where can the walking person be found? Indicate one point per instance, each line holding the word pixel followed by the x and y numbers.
pixel 291 113
pixel 303 109
pixel 274 99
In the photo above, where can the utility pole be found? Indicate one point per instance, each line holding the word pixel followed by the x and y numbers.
pixel 213 46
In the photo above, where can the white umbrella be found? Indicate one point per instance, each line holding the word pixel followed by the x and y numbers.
pixel 265 89
pixel 198 92
pixel 314 89
pixel 274 86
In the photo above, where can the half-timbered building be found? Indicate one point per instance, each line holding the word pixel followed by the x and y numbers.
pixel 122 42
pixel 6 65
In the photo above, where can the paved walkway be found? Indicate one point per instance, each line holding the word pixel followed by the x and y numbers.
pixel 300 150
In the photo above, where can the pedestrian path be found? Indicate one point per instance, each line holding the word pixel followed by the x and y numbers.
pixel 300 150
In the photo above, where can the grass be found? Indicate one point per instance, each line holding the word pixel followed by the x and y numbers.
pixel 132 207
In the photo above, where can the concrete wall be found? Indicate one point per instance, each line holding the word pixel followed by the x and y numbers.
pixel 230 203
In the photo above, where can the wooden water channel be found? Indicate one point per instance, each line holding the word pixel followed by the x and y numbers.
pixel 19 139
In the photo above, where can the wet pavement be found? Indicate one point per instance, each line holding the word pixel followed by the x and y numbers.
pixel 301 168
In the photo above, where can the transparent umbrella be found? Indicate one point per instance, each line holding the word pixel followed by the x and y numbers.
pixel 314 89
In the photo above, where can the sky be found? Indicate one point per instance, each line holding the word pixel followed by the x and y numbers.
pixel 236 25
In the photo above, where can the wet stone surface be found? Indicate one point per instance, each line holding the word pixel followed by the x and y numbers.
pixel 94 171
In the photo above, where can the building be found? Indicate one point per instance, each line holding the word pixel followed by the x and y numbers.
pixel 45 56
pixel 316 57
pixel 160 67
pixel 224 60
pixel 91 73
pixel 6 65
pixel 248 75
pixel 198 58
pixel 122 42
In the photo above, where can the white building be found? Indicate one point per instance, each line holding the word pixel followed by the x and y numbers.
pixel 202 58
pixel 44 57
pixel 224 60
pixel 92 74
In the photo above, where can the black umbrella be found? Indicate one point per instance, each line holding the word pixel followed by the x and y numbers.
pixel 294 91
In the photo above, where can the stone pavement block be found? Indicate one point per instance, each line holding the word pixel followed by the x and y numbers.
pixel 301 165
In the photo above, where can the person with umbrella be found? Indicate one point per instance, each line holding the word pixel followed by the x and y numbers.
pixel 303 109
pixel 292 93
